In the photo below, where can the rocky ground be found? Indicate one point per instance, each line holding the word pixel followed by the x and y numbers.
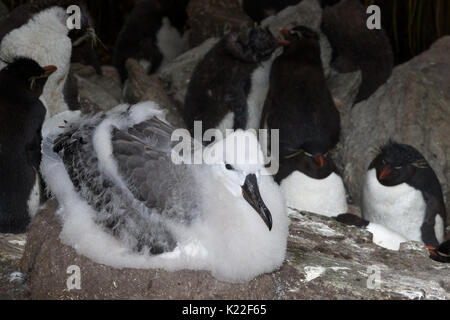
pixel 12 282
pixel 325 260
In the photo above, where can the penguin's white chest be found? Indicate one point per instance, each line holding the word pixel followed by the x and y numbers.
pixel 400 208
pixel 34 199
pixel 260 84
pixel 326 197
pixel 170 42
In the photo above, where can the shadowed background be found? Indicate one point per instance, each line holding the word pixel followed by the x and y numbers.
pixel 412 25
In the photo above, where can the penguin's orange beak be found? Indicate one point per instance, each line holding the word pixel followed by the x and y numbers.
pixel 385 173
pixel 283 42
pixel 285 31
pixel 49 70
pixel 320 161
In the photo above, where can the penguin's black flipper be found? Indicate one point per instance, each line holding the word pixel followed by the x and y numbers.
pixel 151 50
pixel 426 180
pixel 434 208
pixel 71 93
pixel 86 54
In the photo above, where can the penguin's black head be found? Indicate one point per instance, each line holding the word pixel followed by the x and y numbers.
pixel 85 34
pixel 300 39
pixel 176 12
pixel 300 33
pixel 313 159
pixel 251 45
pixel 397 163
pixel 25 77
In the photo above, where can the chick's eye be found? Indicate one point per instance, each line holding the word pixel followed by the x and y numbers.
pixel 229 167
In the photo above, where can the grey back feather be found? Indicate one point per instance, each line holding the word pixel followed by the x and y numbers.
pixel 157 191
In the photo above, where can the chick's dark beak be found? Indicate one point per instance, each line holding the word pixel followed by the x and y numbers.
pixel 250 191
pixel 49 70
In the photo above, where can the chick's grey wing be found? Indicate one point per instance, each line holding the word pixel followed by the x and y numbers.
pixel 143 156
pixel 77 151
pixel 126 212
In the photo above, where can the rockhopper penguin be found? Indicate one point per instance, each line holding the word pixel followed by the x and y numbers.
pixel 355 47
pixel 154 34
pixel 21 117
pixel 402 192
pixel 300 105
pixel 84 41
pixel 229 86
pixel 39 31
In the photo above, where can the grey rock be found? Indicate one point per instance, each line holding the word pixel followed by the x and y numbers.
pixel 325 260
pixel 12 286
pixel 12 246
pixel 413 108
pixel 143 87
pixel 97 92
pixel 416 247
pixel 307 13
pixel 344 89
pixel 178 73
